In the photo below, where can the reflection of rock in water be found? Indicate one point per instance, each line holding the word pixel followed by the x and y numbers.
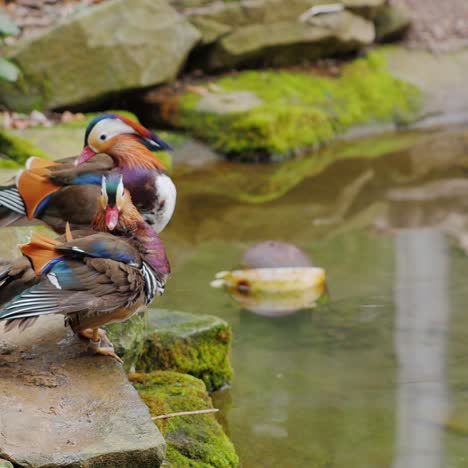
pixel 422 315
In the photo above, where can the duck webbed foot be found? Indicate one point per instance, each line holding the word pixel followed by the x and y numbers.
pixel 100 344
pixel 101 334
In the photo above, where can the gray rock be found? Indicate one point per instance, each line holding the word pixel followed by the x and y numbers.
pixel 288 42
pixel 269 32
pixel 444 94
pixel 273 254
pixel 104 49
pixel 225 103
pixel 367 8
pixel 392 22
pixel 60 406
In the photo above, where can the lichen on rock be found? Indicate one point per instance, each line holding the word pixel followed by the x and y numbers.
pixel 194 441
pixel 194 344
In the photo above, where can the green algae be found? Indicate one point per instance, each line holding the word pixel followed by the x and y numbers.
pixel 14 150
pixel 195 440
pixel 194 344
pixel 300 110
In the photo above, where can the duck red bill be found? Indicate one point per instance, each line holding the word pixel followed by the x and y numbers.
pixel 85 155
pixel 112 218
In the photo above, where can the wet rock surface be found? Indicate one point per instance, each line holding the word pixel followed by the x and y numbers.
pixel 60 406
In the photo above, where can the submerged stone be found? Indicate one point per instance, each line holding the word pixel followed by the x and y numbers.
pixel 61 406
pixel 194 440
pixel 194 344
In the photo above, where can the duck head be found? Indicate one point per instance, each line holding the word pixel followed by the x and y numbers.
pixel 115 207
pixel 125 141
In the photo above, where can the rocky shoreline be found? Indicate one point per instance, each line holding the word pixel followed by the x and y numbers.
pixel 99 427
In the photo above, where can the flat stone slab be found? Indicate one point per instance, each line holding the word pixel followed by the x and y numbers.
pixel 60 406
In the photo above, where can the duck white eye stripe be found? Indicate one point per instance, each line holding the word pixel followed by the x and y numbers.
pixel 11 199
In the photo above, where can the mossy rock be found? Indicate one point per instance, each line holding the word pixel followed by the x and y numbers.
pixel 5 464
pixel 296 111
pixel 100 50
pixel 128 338
pixel 194 344
pixel 14 151
pixel 193 441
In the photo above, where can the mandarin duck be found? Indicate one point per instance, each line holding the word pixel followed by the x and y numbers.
pixel 93 278
pixel 67 190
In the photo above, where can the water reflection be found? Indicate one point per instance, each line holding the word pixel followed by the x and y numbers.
pixel 421 321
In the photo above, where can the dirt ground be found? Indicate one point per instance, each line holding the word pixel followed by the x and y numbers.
pixel 438 25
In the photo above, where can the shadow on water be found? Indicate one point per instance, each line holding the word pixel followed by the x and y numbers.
pixel 377 377
pixel 374 378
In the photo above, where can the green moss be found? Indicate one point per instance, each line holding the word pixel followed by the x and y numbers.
pixel 194 344
pixel 301 110
pixel 14 151
pixel 128 338
pixel 194 440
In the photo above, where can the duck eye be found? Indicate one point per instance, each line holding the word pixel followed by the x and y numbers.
pixel 102 137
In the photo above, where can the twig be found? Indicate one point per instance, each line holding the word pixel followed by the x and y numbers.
pixel 321 10
pixel 186 413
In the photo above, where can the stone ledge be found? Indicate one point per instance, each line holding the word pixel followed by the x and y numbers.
pixel 60 406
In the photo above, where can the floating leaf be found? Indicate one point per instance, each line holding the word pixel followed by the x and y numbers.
pixel 7 26
pixel 274 291
pixel 8 71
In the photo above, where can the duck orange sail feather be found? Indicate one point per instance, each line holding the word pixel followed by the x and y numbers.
pixel 34 185
pixel 40 251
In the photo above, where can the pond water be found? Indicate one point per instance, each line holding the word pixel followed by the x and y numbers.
pixel 378 377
